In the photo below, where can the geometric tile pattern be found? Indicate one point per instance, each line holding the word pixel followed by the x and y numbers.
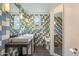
pixel 28 27
pixel 25 27
pixel 45 25
pixel 4 28
pixel 45 30
pixel 58 33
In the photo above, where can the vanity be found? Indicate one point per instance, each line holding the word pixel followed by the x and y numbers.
pixel 23 42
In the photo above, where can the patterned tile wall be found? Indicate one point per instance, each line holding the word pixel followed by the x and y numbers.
pixel 25 27
pixel 29 26
pixel 4 28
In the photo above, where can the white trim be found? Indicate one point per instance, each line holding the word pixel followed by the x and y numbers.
pixel 55 54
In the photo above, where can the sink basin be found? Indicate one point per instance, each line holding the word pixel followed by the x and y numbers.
pixel 26 36
pixel 23 38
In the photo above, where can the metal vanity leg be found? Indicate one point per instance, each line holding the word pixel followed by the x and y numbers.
pixel 27 50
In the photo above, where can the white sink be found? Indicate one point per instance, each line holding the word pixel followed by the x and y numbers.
pixel 23 38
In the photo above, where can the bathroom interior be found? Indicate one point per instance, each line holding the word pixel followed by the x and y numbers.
pixel 39 29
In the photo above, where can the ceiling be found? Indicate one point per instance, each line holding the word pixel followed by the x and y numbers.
pixel 35 8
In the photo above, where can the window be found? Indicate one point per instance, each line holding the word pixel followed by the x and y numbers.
pixel 37 20
pixel 16 22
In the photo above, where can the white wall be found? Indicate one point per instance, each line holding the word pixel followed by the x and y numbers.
pixel 51 32
pixel 71 27
pixel 37 8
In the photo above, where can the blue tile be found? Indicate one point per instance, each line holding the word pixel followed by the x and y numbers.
pixel 5 27
pixel 7 40
pixel 8 16
pixel 3 18
pixel 0 21
pixel 0 33
pixel 0 38
pixel 3 45
pixel 3 32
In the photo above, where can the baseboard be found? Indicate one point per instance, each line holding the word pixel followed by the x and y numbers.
pixel 54 54
pixel 28 55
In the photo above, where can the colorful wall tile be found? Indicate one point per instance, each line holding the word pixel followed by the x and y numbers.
pixel 4 28
pixel 27 25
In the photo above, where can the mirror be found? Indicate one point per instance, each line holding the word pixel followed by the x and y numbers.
pixel 58 33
